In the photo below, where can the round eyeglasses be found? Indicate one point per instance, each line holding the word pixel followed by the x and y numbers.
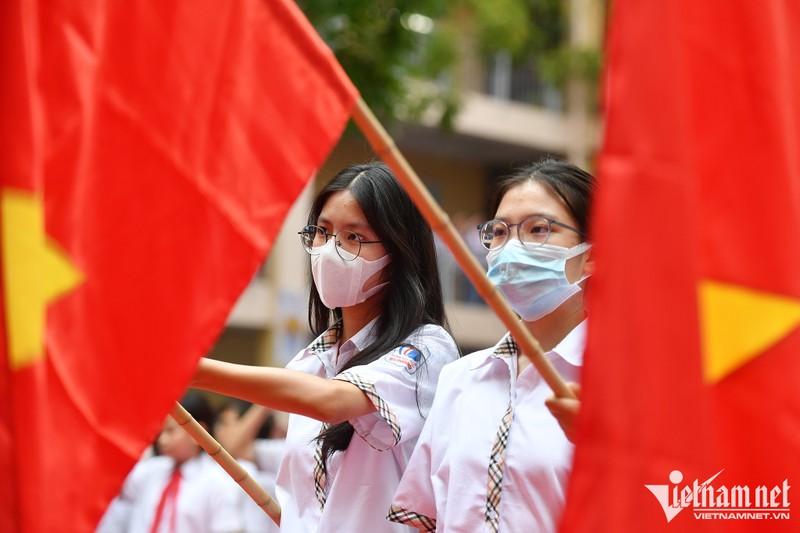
pixel 531 232
pixel 348 243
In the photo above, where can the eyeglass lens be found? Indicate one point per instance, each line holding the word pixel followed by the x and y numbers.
pixel 348 245
pixel 532 232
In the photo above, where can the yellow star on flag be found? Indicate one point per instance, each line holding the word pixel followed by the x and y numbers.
pixel 35 272
pixel 739 323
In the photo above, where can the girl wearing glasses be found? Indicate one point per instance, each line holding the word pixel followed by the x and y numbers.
pixel 359 393
pixel 491 456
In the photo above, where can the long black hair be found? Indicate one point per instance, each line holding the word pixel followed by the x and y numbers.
pixel 414 293
pixel 573 185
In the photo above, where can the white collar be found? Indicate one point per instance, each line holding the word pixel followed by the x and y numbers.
pixel 570 349
pixel 191 466
pixel 363 338
pixel 325 343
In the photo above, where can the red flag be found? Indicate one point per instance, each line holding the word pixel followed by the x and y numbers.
pixel 150 153
pixel 692 372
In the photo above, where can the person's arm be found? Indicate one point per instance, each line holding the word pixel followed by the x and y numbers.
pixel 238 436
pixel 565 410
pixel 327 400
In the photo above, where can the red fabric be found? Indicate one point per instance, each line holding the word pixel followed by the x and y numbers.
pixel 169 499
pixel 167 141
pixel 699 179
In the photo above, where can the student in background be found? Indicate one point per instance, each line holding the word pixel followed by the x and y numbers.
pixel 247 432
pixel 182 490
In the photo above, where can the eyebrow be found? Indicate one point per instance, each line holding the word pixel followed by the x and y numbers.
pixel 531 215
pixel 350 225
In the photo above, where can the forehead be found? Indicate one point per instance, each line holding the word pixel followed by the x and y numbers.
pixel 532 198
pixel 343 209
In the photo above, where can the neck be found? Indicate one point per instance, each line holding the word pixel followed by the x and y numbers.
pixel 551 329
pixel 182 461
pixel 354 318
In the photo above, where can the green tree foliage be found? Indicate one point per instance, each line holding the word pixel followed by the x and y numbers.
pixel 376 49
pixel 402 54
pixel 533 31
pixel 501 25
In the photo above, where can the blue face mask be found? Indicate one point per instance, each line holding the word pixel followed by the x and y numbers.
pixel 533 280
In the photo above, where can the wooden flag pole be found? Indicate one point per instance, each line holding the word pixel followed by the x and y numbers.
pixel 385 148
pixel 228 463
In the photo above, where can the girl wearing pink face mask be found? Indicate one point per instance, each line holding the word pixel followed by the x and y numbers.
pixel 491 457
pixel 360 392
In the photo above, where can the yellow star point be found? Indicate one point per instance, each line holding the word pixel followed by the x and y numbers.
pixel 739 323
pixel 35 272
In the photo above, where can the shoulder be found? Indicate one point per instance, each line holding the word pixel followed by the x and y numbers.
pixel 473 359
pixel 152 466
pixel 429 345
pixel 431 331
pixel 469 366
pixel 146 472
pixel 432 337
pixel 466 364
pixel 457 377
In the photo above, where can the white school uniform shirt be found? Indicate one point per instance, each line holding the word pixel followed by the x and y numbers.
pixel 446 484
pixel 362 479
pixel 208 499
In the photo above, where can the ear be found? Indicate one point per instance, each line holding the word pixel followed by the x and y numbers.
pixel 588 265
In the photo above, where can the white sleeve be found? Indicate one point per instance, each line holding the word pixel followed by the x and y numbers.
pixel 401 385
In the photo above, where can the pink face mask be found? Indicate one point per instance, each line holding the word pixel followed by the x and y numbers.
pixel 340 283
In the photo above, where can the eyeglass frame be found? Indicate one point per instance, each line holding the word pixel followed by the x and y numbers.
pixel 338 243
pixel 550 223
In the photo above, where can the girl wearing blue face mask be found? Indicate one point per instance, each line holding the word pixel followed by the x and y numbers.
pixel 359 393
pixel 491 456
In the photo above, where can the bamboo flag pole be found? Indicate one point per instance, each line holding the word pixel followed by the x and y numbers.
pixel 228 463
pixel 385 148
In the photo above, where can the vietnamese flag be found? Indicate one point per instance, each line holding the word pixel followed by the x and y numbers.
pixel 693 364
pixel 150 151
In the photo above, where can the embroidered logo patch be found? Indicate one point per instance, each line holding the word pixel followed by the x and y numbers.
pixel 405 357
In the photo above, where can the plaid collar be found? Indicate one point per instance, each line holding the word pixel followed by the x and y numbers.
pixel 502 351
pixel 505 348
pixel 327 340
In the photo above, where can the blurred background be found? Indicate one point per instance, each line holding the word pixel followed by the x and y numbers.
pixel 469 89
